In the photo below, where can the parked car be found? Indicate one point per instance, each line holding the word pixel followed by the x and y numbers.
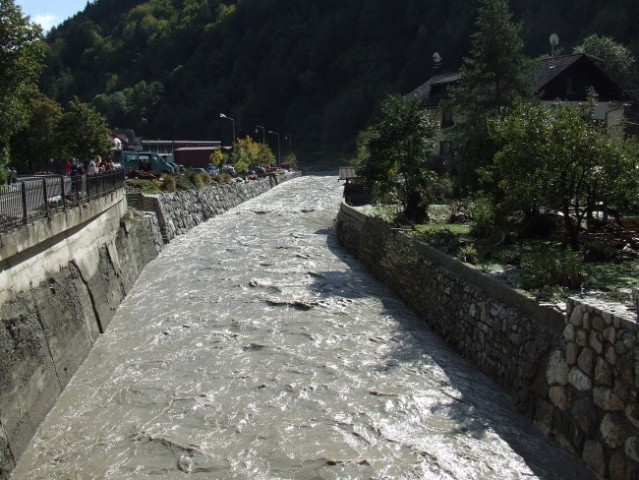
pixel 257 169
pixel 177 167
pixel 230 169
pixel 213 170
pixel 144 161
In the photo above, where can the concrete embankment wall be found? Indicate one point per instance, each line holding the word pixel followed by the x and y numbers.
pixel 576 375
pixel 63 278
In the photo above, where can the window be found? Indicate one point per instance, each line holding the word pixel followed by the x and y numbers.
pixel 447 118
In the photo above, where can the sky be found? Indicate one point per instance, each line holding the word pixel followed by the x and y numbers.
pixel 49 13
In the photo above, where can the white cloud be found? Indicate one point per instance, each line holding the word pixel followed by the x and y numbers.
pixel 46 20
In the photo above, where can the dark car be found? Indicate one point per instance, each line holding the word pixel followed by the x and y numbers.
pixel 257 169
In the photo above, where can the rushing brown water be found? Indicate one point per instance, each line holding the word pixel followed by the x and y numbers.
pixel 255 348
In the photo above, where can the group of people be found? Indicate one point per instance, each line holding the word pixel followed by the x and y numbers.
pixel 74 167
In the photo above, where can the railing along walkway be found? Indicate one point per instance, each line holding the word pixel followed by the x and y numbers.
pixel 24 202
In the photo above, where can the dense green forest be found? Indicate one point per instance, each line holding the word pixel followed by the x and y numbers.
pixel 315 68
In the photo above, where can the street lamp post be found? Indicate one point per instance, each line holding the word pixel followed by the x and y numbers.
pixel 289 137
pixel 257 129
pixel 279 152
pixel 233 125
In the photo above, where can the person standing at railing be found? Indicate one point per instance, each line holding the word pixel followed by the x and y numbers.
pixel 13 175
pixel 93 165
pixel 67 168
pixel 76 177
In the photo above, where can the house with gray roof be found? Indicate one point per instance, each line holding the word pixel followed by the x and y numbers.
pixel 562 78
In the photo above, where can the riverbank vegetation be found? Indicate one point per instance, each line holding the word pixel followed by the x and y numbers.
pixel 539 195
pixel 190 180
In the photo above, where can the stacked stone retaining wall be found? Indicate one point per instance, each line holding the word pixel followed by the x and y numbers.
pixel 179 212
pixel 575 374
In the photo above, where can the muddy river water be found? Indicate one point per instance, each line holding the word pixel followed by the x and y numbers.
pixel 255 348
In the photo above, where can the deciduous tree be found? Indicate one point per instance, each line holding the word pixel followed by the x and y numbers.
pixel 394 150
pixel 35 144
pixel 21 60
pixel 83 132
pixel 219 158
pixel 618 60
pixel 265 156
pixel 557 157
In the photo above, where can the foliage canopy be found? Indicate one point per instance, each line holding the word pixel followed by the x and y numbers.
pixel 394 151
pixel 21 60
pixel 492 78
pixel 617 58
pixel 559 158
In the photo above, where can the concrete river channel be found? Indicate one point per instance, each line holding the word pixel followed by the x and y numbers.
pixel 254 347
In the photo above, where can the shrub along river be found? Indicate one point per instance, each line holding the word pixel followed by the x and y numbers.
pixel 254 347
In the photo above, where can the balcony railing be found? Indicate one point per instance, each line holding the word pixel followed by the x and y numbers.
pixel 26 201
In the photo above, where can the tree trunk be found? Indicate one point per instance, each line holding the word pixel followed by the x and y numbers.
pixel 414 210
pixel 572 229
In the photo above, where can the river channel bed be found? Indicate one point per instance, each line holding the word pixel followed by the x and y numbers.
pixel 255 348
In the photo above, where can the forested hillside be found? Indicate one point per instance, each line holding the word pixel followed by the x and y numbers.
pixel 314 68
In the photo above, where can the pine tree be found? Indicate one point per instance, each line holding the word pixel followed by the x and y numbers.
pixel 492 78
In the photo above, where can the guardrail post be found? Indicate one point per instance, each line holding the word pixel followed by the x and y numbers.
pixel 25 211
pixel 46 196
pixel 63 193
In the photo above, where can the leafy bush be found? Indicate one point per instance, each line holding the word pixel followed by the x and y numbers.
pixel 182 182
pixel 546 267
pixel 468 253
pixel 291 159
pixel 223 178
pixel 142 185
pixel 482 217
pixel 201 179
pixel 166 183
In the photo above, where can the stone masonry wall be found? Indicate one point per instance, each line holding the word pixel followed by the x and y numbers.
pixel 593 378
pixel 575 375
pixel 179 212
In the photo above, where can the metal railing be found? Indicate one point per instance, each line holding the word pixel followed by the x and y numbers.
pixel 26 201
